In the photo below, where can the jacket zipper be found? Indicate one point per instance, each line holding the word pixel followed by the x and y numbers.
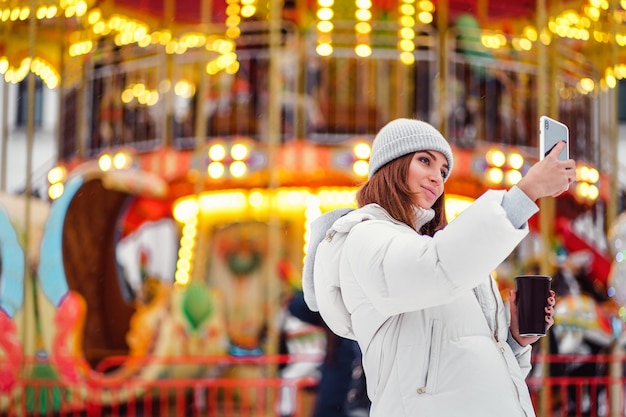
pixel 433 360
pixel 495 330
pixel 495 336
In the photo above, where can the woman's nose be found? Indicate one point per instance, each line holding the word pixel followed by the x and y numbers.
pixel 436 177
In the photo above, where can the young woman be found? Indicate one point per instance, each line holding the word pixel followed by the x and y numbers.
pixel 416 293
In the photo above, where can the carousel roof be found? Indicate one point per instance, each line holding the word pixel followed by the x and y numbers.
pixel 76 26
pixel 191 11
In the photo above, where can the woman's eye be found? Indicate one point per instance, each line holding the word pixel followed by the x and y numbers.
pixel 444 174
pixel 424 159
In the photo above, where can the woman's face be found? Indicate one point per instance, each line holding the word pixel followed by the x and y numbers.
pixel 427 171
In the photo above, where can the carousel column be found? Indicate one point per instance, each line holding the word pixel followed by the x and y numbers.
pixel 482 11
pixel 546 204
pixel 202 88
pixel 612 206
pixel 442 24
pixel 616 369
pixel 4 130
pixel 273 141
pixel 168 105
pixel 200 125
pixel 4 136
pixel 202 247
pixel 30 127
pixel 29 279
pixel 82 128
pixel 60 152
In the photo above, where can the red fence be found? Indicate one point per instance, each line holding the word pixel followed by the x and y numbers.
pixel 580 385
pixel 172 397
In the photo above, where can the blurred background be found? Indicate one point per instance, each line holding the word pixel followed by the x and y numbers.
pixel 161 162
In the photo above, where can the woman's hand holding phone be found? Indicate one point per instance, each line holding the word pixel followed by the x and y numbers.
pixel 550 176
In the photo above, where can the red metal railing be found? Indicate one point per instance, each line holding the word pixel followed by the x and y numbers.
pixel 579 385
pixel 230 387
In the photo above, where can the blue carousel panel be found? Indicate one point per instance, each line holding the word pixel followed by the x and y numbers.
pixel 12 267
pixel 51 270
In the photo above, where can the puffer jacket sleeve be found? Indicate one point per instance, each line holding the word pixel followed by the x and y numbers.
pixel 404 271
pixel 522 354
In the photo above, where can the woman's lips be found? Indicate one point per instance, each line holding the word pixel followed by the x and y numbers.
pixel 430 190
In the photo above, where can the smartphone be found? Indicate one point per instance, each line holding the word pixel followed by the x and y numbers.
pixel 552 132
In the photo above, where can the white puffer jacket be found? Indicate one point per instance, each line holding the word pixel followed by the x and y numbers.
pixel 425 311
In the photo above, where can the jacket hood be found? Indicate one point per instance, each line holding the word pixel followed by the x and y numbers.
pixel 319 228
pixel 320 277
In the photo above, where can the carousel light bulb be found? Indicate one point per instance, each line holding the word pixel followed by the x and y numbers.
pixel 217 152
pixel 239 152
pixel 56 190
pixel 325 26
pixel 127 96
pixel 495 157
pixel 362 150
pixel 181 277
pixel 513 177
pixel 232 68
pixel 248 11
pixel 183 265
pixel 361 167
pixel 185 209
pixel 153 99
pixel 407 33
pixel 407 57
pixel 256 199
pixel 407 21
pixel 105 162
pixel 525 44
pixel 582 189
pixel 184 253
pixel 406 45
pixel 324 49
pixel 190 230
pixel 362 28
pixel 363 50
pixel 94 16
pixel 407 9
pixel 187 242
pixel 426 6
pixel 495 175
pixel 121 160
pixel 425 17
pixel 57 174
pixel 363 15
pixel 215 170
pixel 238 169
pixel 325 13
pixel 516 161
pixel 587 84
pixel 531 33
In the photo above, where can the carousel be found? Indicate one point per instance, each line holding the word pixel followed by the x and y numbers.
pixel 197 142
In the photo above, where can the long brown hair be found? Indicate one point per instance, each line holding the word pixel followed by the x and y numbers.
pixel 389 189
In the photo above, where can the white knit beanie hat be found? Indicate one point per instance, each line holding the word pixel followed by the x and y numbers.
pixel 403 136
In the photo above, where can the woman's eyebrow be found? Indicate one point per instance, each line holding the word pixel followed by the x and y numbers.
pixel 432 155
